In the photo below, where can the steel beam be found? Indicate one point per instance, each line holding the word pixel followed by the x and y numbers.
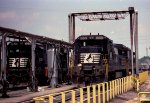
pixel 94 16
pixel 114 15
pixel 42 39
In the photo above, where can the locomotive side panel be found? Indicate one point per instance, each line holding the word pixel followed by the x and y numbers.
pixel 122 59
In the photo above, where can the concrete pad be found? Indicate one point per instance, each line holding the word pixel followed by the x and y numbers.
pixel 24 95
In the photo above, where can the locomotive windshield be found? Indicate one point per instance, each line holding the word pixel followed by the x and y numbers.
pixel 92 46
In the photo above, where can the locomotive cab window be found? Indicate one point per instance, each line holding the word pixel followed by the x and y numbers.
pixel 93 45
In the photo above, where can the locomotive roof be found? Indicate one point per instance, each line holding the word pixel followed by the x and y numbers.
pixel 104 37
pixel 121 46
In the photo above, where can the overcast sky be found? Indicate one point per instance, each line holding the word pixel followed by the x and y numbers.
pixel 50 18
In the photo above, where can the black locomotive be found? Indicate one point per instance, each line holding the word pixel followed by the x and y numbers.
pixel 98 59
pixel 19 63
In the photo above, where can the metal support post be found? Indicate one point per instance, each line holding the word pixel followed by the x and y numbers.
pixel 67 59
pixel 3 54
pixel 68 68
pixel 53 67
pixel 136 42
pixel 34 81
pixel 106 64
pixel 4 81
pixel 131 11
pixel 69 21
pixel 73 28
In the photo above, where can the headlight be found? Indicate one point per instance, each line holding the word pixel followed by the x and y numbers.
pixel 79 65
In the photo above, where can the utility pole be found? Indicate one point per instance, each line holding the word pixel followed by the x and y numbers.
pixel 149 49
pixel 146 51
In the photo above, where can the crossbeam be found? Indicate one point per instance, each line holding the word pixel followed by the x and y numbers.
pixel 107 15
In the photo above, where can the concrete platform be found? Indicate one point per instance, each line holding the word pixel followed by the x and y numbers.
pixel 22 96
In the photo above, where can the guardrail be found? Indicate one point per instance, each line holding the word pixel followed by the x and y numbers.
pixel 143 76
pixel 137 80
pixel 136 83
pixel 98 93
pixel 144 98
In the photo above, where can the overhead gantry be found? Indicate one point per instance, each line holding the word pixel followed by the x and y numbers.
pixel 109 15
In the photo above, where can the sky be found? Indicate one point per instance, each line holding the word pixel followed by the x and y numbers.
pixel 50 18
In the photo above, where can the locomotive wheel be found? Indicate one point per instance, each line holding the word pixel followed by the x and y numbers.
pixel 87 81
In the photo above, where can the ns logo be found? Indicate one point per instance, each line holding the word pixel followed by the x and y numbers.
pixel 89 57
pixel 18 62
